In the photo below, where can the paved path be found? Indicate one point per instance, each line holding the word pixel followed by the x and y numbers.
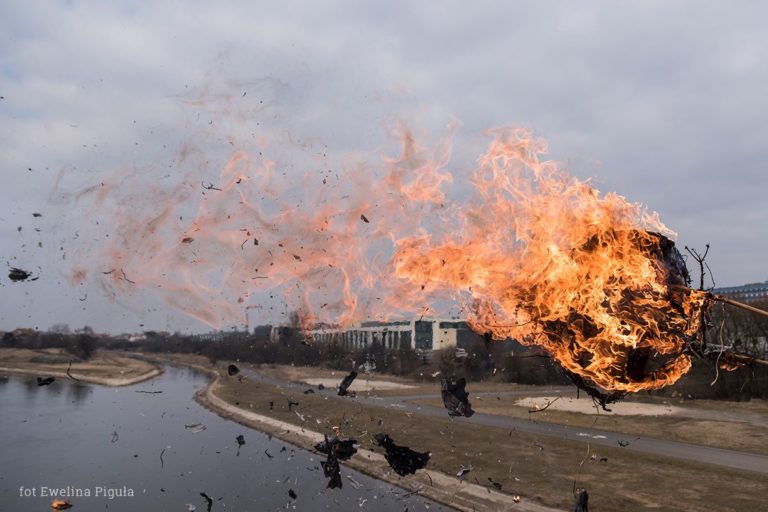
pixel 686 451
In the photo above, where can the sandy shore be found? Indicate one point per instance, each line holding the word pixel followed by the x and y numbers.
pixel 442 488
pixel 104 368
pixel 359 384
pixel 585 405
pixel 90 379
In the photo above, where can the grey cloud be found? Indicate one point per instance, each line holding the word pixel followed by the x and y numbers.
pixel 662 102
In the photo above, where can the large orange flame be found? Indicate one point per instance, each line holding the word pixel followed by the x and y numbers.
pixel 549 261
pixel 517 246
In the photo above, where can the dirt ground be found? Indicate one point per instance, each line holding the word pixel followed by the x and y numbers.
pixel 409 386
pixel 732 425
pixel 106 368
pixel 541 469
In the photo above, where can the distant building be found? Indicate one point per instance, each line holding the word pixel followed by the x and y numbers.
pixel 746 293
pixel 262 331
pixel 423 334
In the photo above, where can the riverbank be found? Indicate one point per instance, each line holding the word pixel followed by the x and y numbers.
pixel 105 368
pixel 459 494
pixel 541 468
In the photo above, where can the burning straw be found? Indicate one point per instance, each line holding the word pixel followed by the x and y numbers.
pixel 523 251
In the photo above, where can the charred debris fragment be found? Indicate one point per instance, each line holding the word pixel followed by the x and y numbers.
pixel 401 458
pixel 45 381
pixel 335 449
pixel 346 382
pixel 582 501
pixel 240 442
pixel 343 448
pixel 18 275
pixel 455 397
pixel 332 471
pixel 208 500
pixel 232 370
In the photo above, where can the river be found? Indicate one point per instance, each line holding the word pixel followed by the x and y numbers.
pixel 107 442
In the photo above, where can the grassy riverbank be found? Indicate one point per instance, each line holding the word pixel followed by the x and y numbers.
pixel 541 469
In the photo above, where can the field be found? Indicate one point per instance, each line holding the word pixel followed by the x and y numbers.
pixel 544 469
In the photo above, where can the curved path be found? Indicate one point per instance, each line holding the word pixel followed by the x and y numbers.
pixel 648 445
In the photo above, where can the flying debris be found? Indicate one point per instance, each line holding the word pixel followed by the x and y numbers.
pixel 232 370
pixel 401 458
pixel 195 427
pixel 208 500
pixel 291 403
pixel 17 274
pixel 309 391
pixel 240 442
pixel 332 471
pixel 456 398
pixel 292 494
pixel 582 501
pixel 336 449
pixel 344 448
pixel 346 382
pixel 463 471
pixel 47 381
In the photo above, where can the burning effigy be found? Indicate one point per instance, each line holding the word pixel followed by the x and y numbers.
pixel 518 247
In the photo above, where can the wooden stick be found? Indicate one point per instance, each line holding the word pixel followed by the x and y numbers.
pixel 740 359
pixel 724 300
pixel 741 305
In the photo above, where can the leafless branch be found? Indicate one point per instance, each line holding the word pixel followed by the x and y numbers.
pixel 209 186
pixel 545 407
pixel 69 374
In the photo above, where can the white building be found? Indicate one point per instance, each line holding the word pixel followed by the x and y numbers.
pixel 423 334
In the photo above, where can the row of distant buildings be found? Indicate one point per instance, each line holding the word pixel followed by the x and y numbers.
pixel 435 334
pixel 752 292
pixel 422 334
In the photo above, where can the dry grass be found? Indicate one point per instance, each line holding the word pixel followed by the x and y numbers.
pixel 732 430
pixel 427 385
pixel 729 433
pixel 540 468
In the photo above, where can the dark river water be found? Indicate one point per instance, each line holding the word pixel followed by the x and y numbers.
pixel 108 441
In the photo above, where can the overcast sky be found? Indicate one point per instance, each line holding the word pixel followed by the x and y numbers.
pixel 663 102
